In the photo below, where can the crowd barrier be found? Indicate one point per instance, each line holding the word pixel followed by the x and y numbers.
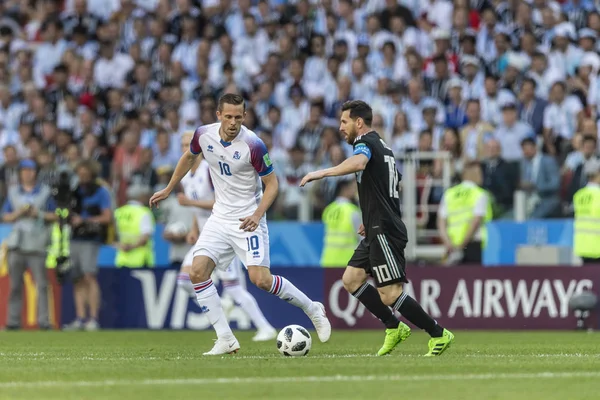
pixel 460 297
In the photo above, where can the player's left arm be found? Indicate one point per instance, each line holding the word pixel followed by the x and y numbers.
pixel 259 157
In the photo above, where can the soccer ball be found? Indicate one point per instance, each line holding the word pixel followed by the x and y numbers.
pixel 294 341
pixel 176 228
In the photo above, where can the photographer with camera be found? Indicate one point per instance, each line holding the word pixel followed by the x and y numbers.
pixel 90 219
pixel 29 207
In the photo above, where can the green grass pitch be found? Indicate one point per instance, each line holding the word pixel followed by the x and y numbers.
pixel 135 365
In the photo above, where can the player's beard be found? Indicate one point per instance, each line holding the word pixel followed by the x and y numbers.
pixel 351 136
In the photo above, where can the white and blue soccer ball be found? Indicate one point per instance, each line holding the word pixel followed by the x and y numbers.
pixel 294 341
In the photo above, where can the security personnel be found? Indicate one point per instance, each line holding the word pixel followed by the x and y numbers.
pixel 586 232
pixel 342 220
pixel 463 213
pixel 29 207
pixel 135 228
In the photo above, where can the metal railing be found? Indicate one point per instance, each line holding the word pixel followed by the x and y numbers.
pixel 412 206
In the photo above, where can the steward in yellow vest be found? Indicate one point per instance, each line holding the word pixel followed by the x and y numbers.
pixel 135 228
pixel 342 219
pixel 464 211
pixel 586 229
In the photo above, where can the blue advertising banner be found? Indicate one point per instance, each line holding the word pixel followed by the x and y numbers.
pixel 150 299
pixel 293 244
pixel 504 238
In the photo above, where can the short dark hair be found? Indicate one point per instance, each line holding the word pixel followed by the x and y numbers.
pixel 529 80
pixel 231 98
pixel 528 140
pixel 589 138
pixel 359 109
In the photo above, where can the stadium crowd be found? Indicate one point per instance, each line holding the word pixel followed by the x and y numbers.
pixel 119 82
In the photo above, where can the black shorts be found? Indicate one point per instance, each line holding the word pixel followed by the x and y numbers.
pixel 382 258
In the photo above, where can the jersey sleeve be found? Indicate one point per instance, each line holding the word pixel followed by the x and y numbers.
pixel 362 148
pixel 259 157
pixel 195 143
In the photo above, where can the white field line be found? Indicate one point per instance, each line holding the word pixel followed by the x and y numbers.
pixel 297 379
pixel 40 356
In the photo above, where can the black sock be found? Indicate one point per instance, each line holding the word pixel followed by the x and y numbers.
pixel 412 311
pixel 369 297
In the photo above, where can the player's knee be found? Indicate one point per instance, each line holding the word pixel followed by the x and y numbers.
pixel 353 279
pixel 201 269
pixel 261 277
pixel 389 294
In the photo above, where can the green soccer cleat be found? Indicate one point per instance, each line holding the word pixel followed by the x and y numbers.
pixel 438 345
pixel 393 337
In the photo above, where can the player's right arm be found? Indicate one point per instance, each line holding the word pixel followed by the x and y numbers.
pixel 184 164
pixel 356 163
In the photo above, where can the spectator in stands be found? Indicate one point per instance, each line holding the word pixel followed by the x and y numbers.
pixel 451 144
pixel 431 112
pixel 589 154
pixel 531 107
pixel 145 175
pixel 163 153
pixel 475 133
pixel 456 116
pixel 499 178
pixel 511 133
pixel 9 175
pixel 126 160
pixel 562 118
pixel 403 139
pixel 309 137
pixel 540 179
pixel 90 220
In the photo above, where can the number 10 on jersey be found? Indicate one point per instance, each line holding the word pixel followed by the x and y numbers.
pixel 252 242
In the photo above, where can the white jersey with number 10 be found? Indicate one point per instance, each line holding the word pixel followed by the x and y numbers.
pixel 236 169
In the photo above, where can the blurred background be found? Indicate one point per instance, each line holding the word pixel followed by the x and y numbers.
pixel 509 85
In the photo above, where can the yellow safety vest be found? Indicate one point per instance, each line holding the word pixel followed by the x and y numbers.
pixel 586 240
pixel 60 244
pixel 128 219
pixel 340 236
pixel 460 201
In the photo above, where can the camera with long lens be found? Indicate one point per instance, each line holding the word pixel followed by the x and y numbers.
pixel 63 197
pixel 61 191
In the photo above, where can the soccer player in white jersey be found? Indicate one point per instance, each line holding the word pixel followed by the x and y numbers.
pixel 198 193
pixel 239 167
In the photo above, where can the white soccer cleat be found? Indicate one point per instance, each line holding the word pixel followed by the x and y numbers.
pixel 224 346
pixel 263 335
pixel 320 321
pixel 91 326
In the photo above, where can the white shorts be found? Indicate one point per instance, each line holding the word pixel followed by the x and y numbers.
pixel 233 272
pixel 221 240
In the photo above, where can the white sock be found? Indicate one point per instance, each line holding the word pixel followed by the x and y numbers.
pixel 285 290
pixel 247 302
pixel 210 304
pixel 184 282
